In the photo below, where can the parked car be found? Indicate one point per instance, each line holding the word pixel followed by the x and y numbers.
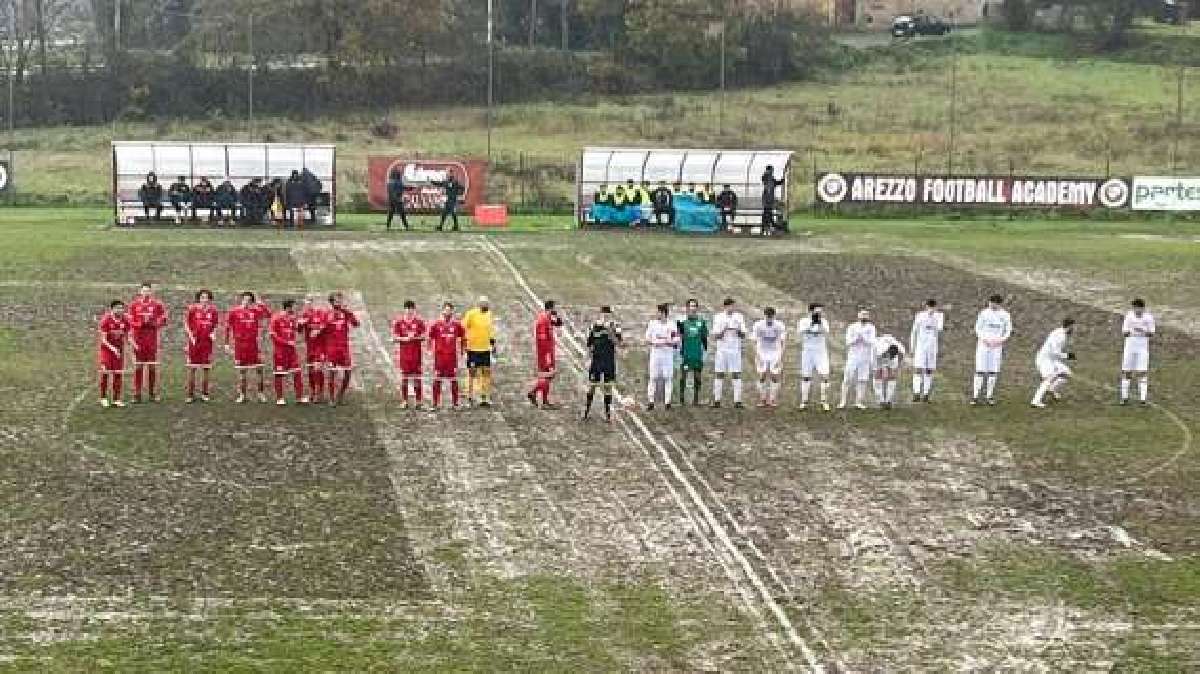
pixel 1171 12
pixel 921 24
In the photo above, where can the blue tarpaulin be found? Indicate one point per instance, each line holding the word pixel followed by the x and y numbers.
pixel 692 215
pixel 616 215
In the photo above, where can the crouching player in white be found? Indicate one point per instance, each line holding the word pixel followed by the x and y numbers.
pixel 769 336
pixel 1052 362
pixel 860 351
pixel 889 356
pixel 1138 328
pixel 814 355
pixel 993 327
pixel 662 335
pixel 926 331
pixel 729 328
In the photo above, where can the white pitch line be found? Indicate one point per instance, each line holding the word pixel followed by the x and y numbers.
pixel 715 525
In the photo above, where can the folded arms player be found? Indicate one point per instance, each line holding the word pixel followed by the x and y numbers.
pixel 447 342
pixel 337 347
pixel 243 329
pixel 408 333
pixel 693 334
pixel 200 324
pixel 112 332
pixel 147 318
pixel 284 331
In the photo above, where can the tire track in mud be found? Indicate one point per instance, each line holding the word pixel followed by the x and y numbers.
pixel 702 509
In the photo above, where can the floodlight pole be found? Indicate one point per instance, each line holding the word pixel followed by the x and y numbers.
pixel 953 100
pixel 1178 121
pixel 250 76
pixel 721 103
pixel 491 49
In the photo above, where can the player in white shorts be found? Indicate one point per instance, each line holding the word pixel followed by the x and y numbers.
pixel 1138 328
pixel 860 352
pixel 1051 362
pixel 662 335
pixel 814 354
pixel 729 329
pixel 993 327
pixel 889 356
pixel 770 336
pixel 926 333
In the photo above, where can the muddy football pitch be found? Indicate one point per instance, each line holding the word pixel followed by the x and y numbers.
pixel 215 537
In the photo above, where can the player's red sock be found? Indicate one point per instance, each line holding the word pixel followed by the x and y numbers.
pixel 152 376
pixel 345 384
pixel 242 385
pixel 116 386
pixel 545 391
pixel 316 382
pixel 204 382
pixel 298 384
pixel 262 382
pixel 191 382
pixel 437 392
pixel 416 381
pixel 332 383
pixel 404 389
pixel 454 392
pixel 103 385
pixel 137 380
pixel 278 387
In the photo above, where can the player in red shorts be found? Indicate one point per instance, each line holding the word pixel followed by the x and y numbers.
pixel 337 347
pixel 243 327
pixel 408 331
pixel 200 324
pixel 147 318
pixel 447 343
pixel 283 331
pixel 543 340
pixel 313 320
pixel 110 356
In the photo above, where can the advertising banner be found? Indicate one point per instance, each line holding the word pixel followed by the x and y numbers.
pixel 5 176
pixel 1161 193
pixel 422 193
pixel 972 191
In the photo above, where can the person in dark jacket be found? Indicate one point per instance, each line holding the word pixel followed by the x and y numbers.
pixel 226 202
pixel 180 195
pixel 664 204
pixel 395 192
pixel 313 184
pixel 770 184
pixel 454 190
pixel 202 197
pixel 296 199
pixel 727 205
pixel 252 197
pixel 151 196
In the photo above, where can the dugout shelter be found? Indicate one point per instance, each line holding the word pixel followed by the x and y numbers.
pixel 238 162
pixel 740 169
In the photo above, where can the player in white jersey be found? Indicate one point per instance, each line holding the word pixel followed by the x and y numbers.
pixel 993 327
pixel 770 336
pixel 923 342
pixel 814 355
pixel 1052 360
pixel 729 329
pixel 1138 328
pixel 860 351
pixel 889 356
pixel 662 336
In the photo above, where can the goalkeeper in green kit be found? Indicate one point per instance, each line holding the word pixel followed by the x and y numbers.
pixel 693 331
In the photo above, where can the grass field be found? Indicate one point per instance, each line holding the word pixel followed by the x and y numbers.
pixel 1025 104
pixel 254 538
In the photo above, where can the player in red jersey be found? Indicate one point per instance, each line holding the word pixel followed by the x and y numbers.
pixel 543 340
pixel 110 352
pixel 200 324
pixel 408 331
pixel 147 318
pixel 312 323
pixel 287 357
pixel 447 343
pixel 243 327
pixel 337 346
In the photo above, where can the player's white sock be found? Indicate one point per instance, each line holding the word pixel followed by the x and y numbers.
pixel 918 383
pixel 1144 388
pixel 1041 392
pixel 878 386
pixel 737 391
pixel 762 390
pixel 927 387
pixel 978 388
pixel 860 390
pixel 1125 388
pixel 824 391
pixel 651 390
pixel 773 388
pixel 845 393
pixel 718 384
pixel 991 385
pixel 667 388
pixel 891 391
pixel 1058 383
pixel 805 388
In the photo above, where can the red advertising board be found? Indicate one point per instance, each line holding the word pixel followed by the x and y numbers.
pixel 421 194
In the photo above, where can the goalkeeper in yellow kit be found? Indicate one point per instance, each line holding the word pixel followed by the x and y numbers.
pixel 480 331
